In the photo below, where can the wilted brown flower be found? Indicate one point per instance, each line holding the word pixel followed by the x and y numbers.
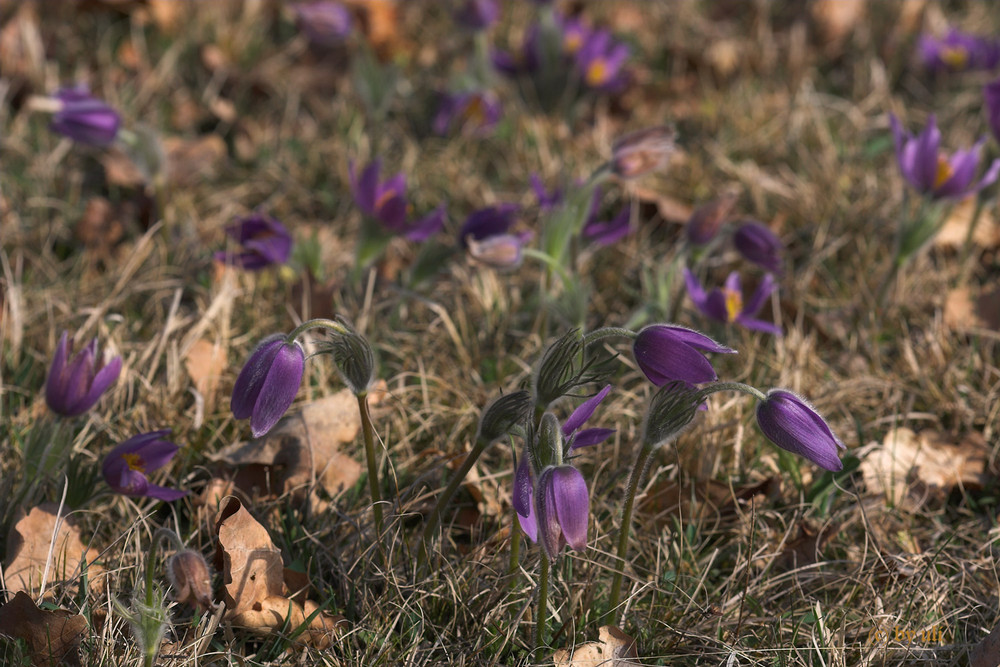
pixel 643 151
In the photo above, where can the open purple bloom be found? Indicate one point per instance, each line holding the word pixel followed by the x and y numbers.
pixel 563 509
pixel 74 386
pixel 385 201
pixel 608 232
pixel 958 51
pixel 932 172
pixel 474 113
pixel 325 23
pixel 758 244
pixel 601 61
pixel 268 383
pixel 727 305
pixel 487 222
pixel 667 352
pixel 265 243
pixel 478 14
pixel 85 118
pixel 991 94
pixel 792 424
pixel 127 467
pixel 575 33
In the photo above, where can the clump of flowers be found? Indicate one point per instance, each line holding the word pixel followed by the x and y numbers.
pixel 75 385
pixel 264 242
pixel 127 466
pixel 84 118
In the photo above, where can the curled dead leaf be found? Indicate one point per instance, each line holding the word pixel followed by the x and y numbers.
pixel 968 309
pixel 955 229
pixel 53 637
pixel 37 534
pixel 614 649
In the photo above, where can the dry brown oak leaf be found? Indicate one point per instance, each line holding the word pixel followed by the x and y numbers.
pixel 39 534
pixel 253 580
pixel 615 649
pixel 53 637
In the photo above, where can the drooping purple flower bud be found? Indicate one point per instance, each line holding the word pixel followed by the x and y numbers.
pixel 265 241
pixel 758 244
pixel 991 94
pixel 325 23
pixel 473 113
pixel 932 172
pixel 126 467
pixel 727 305
pixel 666 352
pixel 643 151
pixel 74 387
pixel 268 383
pixel 707 219
pixel 562 509
pixel 790 422
pixel 85 118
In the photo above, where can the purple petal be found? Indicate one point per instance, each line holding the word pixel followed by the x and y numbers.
pixel 925 160
pixel 963 166
pixel 694 339
pixel 278 388
pixel 549 530
pixel 756 302
pixel 990 177
pixel 392 213
pixel 163 493
pixel 792 424
pixel 584 411
pixel 252 376
pixel 591 436
pixel 157 454
pixel 366 188
pixel 428 226
pixel 572 505
pixel 54 383
pixel 758 325
pixel 105 377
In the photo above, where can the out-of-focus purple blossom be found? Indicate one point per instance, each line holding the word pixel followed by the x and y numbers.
pixel 264 240
pixel 84 118
pixel 486 236
pixel 74 386
pixel 932 172
pixel 958 51
pixel 575 34
pixel 547 199
pixel 727 305
pixel 474 113
pixel 640 152
pixel 325 23
pixel 792 424
pixel 268 383
pixel 385 201
pixel 758 244
pixel 667 352
pixel 524 61
pixel 126 467
pixel 601 61
pixel 478 14
pixel 609 232
pixel 991 94
pixel 487 222
pixel 706 220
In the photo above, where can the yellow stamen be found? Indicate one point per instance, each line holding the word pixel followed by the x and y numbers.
pixel 134 462
pixel 955 57
pixel 734 303
pixel 597 73
pixel 944 171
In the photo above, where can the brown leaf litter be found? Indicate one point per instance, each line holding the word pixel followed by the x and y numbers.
pixel 614 649
pixel 53 637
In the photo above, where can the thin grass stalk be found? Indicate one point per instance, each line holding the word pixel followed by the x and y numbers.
pixel 369 434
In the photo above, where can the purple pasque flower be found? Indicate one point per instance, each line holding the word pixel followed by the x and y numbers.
pixel 790 422
pixel 265 242
pixel 727 305
pixel 600 60
pixel 991 95
pixel 487 222
pixel 127 466
pixel 958 51
pixel 932 172
pixel 608 232
pixel 84 118
pixel 486 235
pixel 574 34
pixel 385 201
pixel 268 383
pixel 758 244
pixel 325 23
pixel 667 352
pixel 527 60
pixel 547 199
pixel 562 509
pixel 473 113
pixel 74 386
pixel 478 14
pixel 576 438
pixel 642 151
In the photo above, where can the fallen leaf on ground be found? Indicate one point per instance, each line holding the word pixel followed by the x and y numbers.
pixel 205 363
pixel 953 233
pixel 254 590
pixel 192 161
pixel 303 447
pixel 53 637
pixel 835 20
pixel 967 308
pixel 614 649
pixel 909 468
pixel 987 652
pixel 28 546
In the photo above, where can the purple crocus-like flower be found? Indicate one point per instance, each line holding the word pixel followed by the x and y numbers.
pixel 324 23
pixel 667 352
pixel 526 61
pixel 958 51
pixel 547 199
pixel 265 243
pixel 991 95
pixel 85 118
pixel 488 222
pixel 727 305
pixel 127 466
pixel 486 236
pixel 478 14
pixel 609 232
pixel 474 113
pixel 74 386
pixel 575 34
pixel 385 201
pixel 933 173
pixel 601 60
pixel 758 244
pixel 792 424
pixel 268 383
pixel 563 509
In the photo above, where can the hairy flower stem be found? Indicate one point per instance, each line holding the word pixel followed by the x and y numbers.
pixel 515 546
pixel 542 621
pixel 434 521
pixel 369 434
pixel 638 470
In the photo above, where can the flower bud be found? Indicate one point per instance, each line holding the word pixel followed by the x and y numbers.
pixel 74 386
pixel 84 118
pixel 548 447
pixel 643 151
pixel 758 244
pixel 500 416
pixel 190 577
pixel 557 370
pixel 563 509
pixel 670 412
pixel 354 358
pixel 792 424
pixel 268 383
